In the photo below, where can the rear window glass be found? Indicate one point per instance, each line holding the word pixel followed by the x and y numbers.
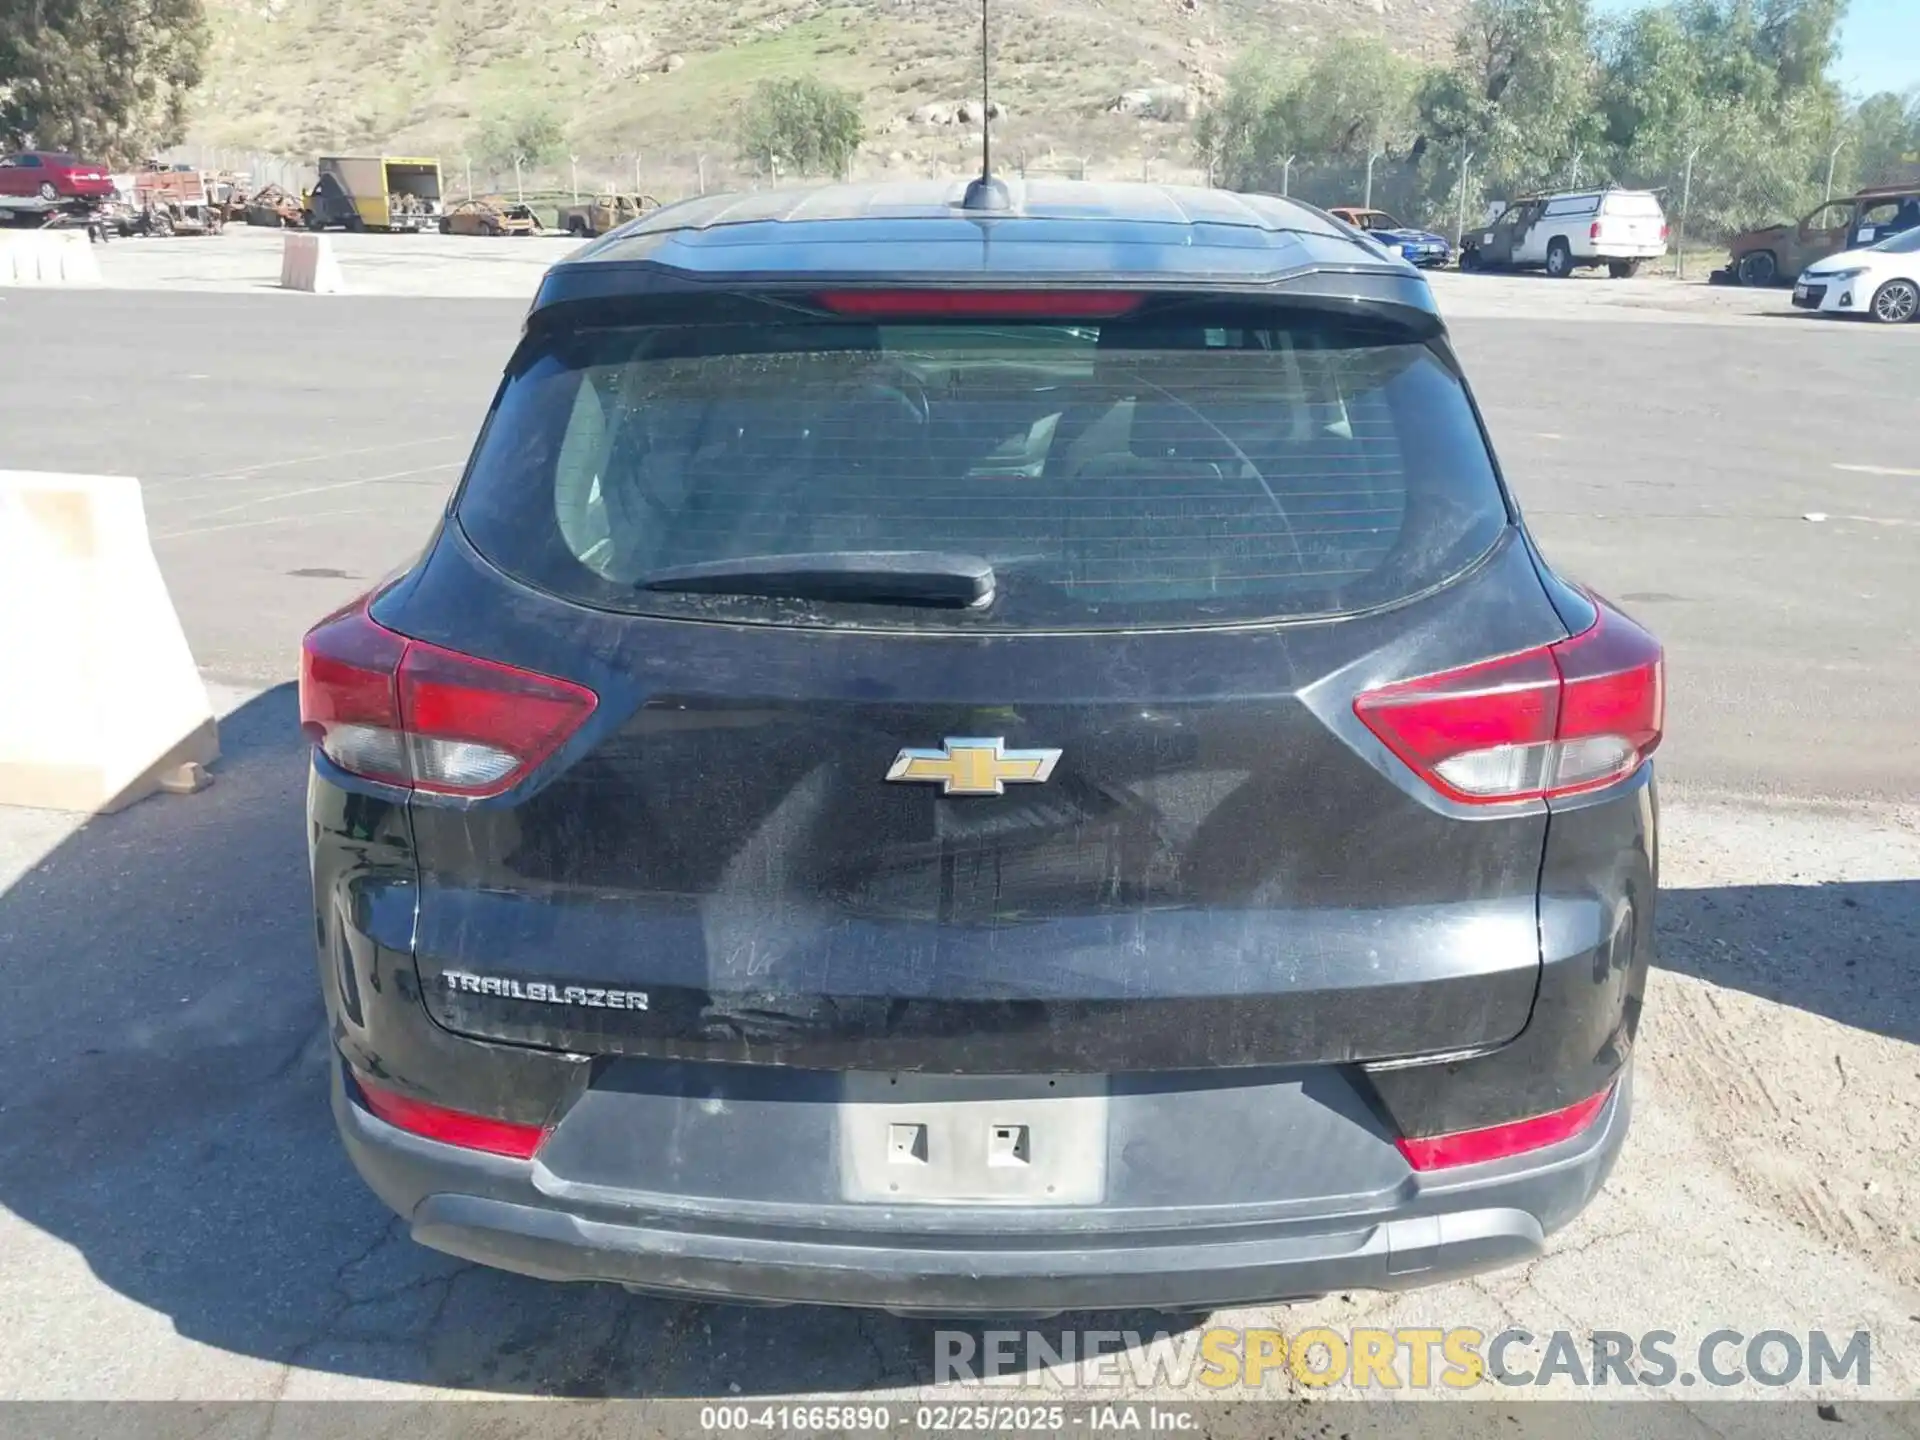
pixel 1115 475
pixel 1642 205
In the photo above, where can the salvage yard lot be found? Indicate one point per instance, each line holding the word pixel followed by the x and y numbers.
pixel 177 1219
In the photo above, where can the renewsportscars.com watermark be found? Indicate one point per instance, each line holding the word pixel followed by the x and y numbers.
pixel 1223 1358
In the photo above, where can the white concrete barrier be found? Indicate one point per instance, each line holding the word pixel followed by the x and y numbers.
pixel 100 701
pixel 307 263
pixel 47 257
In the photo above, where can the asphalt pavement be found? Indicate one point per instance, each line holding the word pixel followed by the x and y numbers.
pixel 293 452
pixel 177 1220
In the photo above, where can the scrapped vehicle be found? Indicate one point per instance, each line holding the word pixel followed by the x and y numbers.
pixel 274 207
pixel 1776 253
pixel 1559 234
pixel 1416 246
pixel 606 212
pixel 1881 281
pixel 52 176
pixel 489 217
pixel 228 194
pixel 374 192
pixel 930 767
pixel 177 202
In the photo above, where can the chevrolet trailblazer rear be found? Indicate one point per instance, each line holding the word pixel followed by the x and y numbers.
pixel 983 763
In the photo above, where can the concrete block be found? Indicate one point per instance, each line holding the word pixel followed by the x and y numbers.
pixel 100 701
pixel 47 257
pixel 307 263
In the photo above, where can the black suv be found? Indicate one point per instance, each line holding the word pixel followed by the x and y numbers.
pixel 969 762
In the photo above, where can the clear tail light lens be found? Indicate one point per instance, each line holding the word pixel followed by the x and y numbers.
pixel 1575 715
pixel 426 718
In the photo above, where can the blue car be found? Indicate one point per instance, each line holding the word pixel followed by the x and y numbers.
pixel 1420 247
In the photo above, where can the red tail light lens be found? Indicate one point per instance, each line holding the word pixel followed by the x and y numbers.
pixel 415 715
pixel 1496 1142
pixel 974 304
pixel 1566 717
pixel 1593 231
pixel 451 1127
pixel 1663 234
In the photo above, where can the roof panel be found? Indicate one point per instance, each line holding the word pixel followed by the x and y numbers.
pixel 914 232
pixel 1047 199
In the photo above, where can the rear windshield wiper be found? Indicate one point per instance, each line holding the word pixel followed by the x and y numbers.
pixel 864 577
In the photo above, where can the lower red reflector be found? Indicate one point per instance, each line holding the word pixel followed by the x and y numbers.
pixel 1496 1142
pixel 451 1127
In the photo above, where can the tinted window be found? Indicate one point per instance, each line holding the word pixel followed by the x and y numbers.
pixel 1576 205
pixel 1645 206
pixel 27 162
pixel 1114 475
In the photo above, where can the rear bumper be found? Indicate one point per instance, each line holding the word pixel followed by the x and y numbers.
pixel 517 1216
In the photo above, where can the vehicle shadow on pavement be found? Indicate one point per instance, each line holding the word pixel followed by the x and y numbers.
pixel 164 1064
pixel 1844 951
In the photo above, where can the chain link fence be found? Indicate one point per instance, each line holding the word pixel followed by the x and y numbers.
pixel 1709 193
pixel 669 175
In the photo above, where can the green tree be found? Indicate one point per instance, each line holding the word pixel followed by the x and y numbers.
pixel 530 134
pixel 1743 90
pixel 1520 93
pixel 802 126
pixel 1798 41
pixel 109 79
pixel 1233 134
pixel 1354 100
pixel 1888 130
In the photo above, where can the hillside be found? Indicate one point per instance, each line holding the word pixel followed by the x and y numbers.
pixel 662 77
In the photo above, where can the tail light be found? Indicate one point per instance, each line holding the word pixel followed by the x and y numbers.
pixel 1497 1142
pixel 415 715
pixel 1571 716
pixel 1663 234
pixel 1593 231
pixel 450 1127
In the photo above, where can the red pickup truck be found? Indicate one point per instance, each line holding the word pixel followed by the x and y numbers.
pixel 52 175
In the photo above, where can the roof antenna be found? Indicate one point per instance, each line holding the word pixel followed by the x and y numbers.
pixel 989 192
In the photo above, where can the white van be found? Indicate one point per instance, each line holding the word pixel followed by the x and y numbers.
pixel 1563 233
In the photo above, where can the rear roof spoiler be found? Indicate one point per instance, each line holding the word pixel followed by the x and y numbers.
pixel 642 292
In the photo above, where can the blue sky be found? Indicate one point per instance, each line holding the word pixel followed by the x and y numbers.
pixel 1879 43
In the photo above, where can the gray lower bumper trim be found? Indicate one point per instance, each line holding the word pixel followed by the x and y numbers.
pixel 555 1245
pixel 490 1210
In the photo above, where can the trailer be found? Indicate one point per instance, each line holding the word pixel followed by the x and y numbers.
pixel 375 192
pixel 95 216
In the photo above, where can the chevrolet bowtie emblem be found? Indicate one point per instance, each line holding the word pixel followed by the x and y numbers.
pixel 973 767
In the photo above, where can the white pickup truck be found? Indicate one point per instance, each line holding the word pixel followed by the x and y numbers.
pixel 1562 233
